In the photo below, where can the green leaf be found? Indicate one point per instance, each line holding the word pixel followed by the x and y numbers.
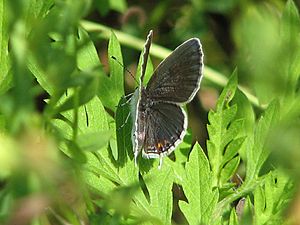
pixel 86 87
pixel 87 57
pixel 228 92
pixel 111 88
pixel 159 183
pixel 198 188
pixel 233 220
pixel 290 44
pixel 5 76
pixel 99 183
pixel 181 155
pixel 93 141
pixel 118 5
pixel 123 131
pixel 272 198
pixel 246 212
pixel 246 113
pixel 53 63
pixel 102 6
pixel 116 70
pixel 224 130
pixel 92 119
pixel 41 76
pixel 229 169
pixel 256 152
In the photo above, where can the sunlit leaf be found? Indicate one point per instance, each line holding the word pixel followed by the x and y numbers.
pixel 198 188
pixel 256 152
pixel 111 88
pixel 223 130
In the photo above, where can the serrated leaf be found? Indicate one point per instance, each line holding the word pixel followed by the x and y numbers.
pixel 245 112
pixel 272 198
pixel 198 189
pixel 229 169
pixel 233 148
pixel 224 130
pixel 228 92
pixel 111 88
pixel 159 184
pixel 181 156
pixel 257 154
pixel 232 131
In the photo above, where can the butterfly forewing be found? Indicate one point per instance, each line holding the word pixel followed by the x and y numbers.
pixel 177 78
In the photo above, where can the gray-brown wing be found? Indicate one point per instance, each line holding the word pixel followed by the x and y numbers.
pixel 177 78
pixel 165 128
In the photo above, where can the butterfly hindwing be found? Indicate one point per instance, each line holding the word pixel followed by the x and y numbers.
pixel 165 128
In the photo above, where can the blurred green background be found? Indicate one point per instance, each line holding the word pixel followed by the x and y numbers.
pixel 45 58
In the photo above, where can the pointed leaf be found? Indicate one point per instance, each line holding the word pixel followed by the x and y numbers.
pixel 257 154
pixel 123 130
pixel 272 198
pixel 111 88
pixel 159 183
pixel 233 220
pixel 198 189
pixel 224 130
pixel 5 76
pixel 87 57
pixel 228 92
pixel 229 169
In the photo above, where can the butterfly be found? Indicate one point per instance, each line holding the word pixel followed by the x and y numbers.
pixel 159 121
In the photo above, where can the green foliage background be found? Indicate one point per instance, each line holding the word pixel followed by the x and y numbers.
pixel 63 158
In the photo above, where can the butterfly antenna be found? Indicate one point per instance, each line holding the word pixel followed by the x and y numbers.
pixel 128 71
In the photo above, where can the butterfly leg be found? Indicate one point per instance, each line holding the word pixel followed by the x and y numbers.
pixel 160 162
pixel 129 95
pixel 127 100
pixel 125 122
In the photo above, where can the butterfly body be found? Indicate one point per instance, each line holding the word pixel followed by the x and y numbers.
pixel 159 121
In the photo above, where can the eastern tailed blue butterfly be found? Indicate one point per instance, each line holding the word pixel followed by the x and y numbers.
pixel 159 121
